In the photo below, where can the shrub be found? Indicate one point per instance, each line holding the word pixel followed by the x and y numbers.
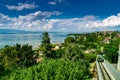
pixel 53 70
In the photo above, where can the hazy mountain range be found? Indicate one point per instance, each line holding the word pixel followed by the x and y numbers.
pixel 11 31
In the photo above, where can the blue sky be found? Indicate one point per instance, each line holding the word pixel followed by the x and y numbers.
pixel 60 15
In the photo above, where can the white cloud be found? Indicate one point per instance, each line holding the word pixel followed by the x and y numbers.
pixel 55 2
pixel 33 21
pixel 38 21
pixel 1 24
pixel 39 15
pixel 52 3
pixel 111 21
pixel 21 6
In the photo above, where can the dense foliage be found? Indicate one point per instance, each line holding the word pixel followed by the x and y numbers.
pixel 98 43
pixel 68 61
pixel 12 57
pixel 111 51
pixel 90 57
pixel 73 52
pixel 59 69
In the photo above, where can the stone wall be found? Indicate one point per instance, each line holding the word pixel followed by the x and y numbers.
pixel 118 64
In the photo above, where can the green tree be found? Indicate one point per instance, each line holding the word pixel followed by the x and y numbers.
pixel 90 57
pixel 73 52
pixel 69 40
pixel 12 57
pixel 111 54
pixel 46 45
pixel 46 39
pixel 26 55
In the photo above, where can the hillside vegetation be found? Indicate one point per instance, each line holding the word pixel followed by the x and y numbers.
pixel 60 61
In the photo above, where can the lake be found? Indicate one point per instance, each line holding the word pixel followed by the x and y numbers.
pixel 33 39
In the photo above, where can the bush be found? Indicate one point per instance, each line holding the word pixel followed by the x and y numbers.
pixel 111 53
pixel 90 57
pixel 53 70
pixel 12 57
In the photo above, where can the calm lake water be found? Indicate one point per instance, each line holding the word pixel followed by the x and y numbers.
pixel 33 39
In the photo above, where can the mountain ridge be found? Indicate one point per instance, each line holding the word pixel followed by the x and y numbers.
pixel 6 31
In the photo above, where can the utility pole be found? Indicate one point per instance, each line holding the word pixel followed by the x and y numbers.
pixel 118 64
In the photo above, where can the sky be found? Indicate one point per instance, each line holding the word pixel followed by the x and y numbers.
pixel 60 15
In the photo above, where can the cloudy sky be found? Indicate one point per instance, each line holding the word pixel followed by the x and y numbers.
pixel 60 15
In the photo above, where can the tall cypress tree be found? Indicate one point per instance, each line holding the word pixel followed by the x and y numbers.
pixel 46 39
pixel 46 45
